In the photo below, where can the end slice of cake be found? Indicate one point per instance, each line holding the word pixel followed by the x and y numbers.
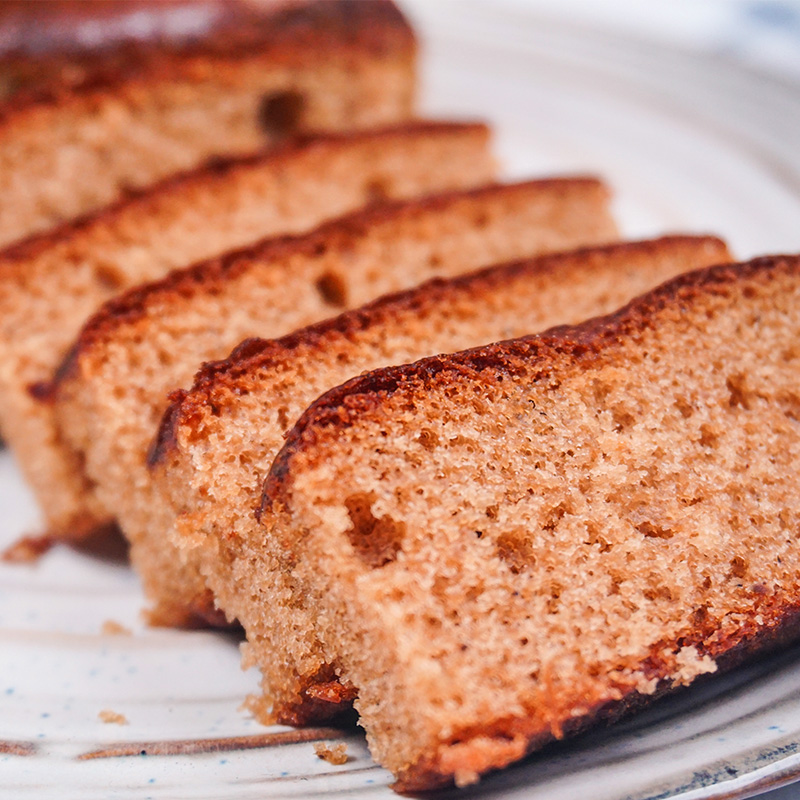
pixel 496 548
pixel 114 387
pixel 53 283
pixel 218 440
pixel 96 119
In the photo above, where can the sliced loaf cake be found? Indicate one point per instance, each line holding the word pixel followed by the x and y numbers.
pixel 50 285
pixel 161 87
pixel 495 548
pixel 246 404
pixel 112 390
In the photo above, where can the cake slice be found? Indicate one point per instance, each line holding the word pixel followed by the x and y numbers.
pixel 495 548
pixel 113 388
pixel 50 285
pixel 246 404
pixel 102 98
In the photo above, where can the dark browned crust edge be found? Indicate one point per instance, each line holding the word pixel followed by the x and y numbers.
pixel 780 629
pixel 219 169
pixel 300 33
pixel 254 354
pixel 340 406
pixel 132 306
pixel 200 614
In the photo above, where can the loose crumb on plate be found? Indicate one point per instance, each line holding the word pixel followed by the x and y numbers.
pixel 27 549
pixel 333 754
pixel 113 628
pixel 112 717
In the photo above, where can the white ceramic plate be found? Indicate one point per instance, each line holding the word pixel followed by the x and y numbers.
pixel 688 142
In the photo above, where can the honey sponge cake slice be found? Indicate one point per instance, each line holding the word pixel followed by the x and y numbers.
pixel 499 546
pixel 53 283
pixel 246 404
pixel 219 78
pixel 113 389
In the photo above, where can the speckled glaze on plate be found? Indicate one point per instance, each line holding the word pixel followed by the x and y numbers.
pixel 95 710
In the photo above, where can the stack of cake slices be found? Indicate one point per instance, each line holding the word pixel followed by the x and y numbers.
pixel 448 450
pixel 50 284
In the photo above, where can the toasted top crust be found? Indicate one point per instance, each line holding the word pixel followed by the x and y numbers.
pixel 339 408
pixel 16 256
pixel 178 287
pixel 256 354
pixel 149 40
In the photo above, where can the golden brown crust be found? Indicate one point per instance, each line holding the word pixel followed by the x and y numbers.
pixel 266 353
pixel 133 306
pixel 342 405
pixel 219 32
